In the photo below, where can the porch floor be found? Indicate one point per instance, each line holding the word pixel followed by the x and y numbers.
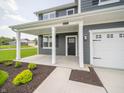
pixel 61 61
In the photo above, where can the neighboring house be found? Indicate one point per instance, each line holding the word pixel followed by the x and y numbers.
pixel 32 43
pixel 12 43
pixel 93 30
pixel 24 42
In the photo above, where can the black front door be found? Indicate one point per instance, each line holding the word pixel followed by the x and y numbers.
pixel 71 45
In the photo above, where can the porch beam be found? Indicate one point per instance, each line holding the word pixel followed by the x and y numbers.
pixel 81 52
pixel 53 45
pixel 18 45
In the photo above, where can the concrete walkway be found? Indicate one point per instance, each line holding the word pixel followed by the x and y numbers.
pixel 58 82
pixel 113 80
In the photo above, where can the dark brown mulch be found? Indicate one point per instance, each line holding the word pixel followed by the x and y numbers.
pixel 39 75
pixel 86 77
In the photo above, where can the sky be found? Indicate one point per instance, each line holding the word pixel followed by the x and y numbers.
pixel 21 11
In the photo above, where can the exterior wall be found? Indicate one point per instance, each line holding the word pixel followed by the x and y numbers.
pixel 60 44
pixel 93 27
pixel 59 13
pixel 88 5
pixel 60 50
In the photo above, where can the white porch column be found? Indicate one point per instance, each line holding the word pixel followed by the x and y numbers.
pixel 18 45
pixel 53 45
pixel 80 35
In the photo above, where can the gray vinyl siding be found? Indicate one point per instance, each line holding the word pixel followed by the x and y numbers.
pixel 60 42
pixel 59 13
pixel 93 27
pixel 88 5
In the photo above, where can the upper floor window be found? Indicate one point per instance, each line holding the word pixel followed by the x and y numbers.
pixel 49 15
pixel 104 2
pixel 70 11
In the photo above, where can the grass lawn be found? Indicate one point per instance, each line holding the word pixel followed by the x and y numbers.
pixel 11 54
pixel 10 46
pixel 4 76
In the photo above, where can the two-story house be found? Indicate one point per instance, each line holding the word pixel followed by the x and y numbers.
pixel 92 30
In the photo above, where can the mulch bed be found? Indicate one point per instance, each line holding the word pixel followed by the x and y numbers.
pixel 39 75
pixel 86 77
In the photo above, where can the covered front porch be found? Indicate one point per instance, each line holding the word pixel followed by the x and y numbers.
pixel 51 53
pixel 70 62
pixel 68 24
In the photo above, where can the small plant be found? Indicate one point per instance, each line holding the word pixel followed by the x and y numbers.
pixel 23 77
pixel 18 64
pixel 32 66
pixel 1 62
pixel 8 63
pixel 3 77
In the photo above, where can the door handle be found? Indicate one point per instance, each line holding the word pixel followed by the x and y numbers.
pixel 97 58
pixel 96 40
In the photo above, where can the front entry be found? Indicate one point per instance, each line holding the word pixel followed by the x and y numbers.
pixel 71 45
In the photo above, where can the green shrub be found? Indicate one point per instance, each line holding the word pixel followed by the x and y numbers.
pixel 3 77
pixel 32 66
pixel 23 77
pixel 8 63
pixel 18 64
pixel 1 62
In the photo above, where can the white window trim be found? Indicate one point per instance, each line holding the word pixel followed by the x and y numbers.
pixel 49 15
pixel 48 43
pixel 70 10
pixel 107 2
pixel 66 45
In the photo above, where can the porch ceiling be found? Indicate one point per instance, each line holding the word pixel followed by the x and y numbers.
pixel 59 29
